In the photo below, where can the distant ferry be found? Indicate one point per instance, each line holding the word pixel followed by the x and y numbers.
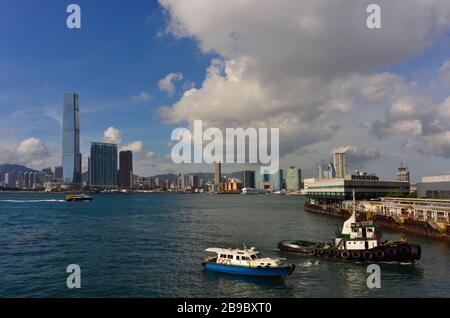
pixel 245 262
pixel 78 198
pixel 249 191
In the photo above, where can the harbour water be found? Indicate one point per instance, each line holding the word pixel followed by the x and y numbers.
pixel 151 245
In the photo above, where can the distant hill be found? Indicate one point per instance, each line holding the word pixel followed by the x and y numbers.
pixel 13 168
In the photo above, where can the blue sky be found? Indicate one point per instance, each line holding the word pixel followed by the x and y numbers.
pixel 116 55
pixel 310 67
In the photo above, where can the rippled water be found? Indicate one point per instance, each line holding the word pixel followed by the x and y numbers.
pixel 152 246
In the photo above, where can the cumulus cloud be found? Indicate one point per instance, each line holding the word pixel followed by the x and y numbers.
pixel 358 156
pixel 135 146
pixel 142 97
pixel 112 135
pixel 30 152
pixel 167 83
pixel 299 66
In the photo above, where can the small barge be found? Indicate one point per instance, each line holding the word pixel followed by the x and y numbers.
pixel 245 261
pixel 358 241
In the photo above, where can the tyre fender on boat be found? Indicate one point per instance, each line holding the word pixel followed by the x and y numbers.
pixel 320 252
pixel 379 254
pixel 356 254
pixel 391 252
pixel 312 252
pixel 345 254
pixel 367 255
pixel 336 253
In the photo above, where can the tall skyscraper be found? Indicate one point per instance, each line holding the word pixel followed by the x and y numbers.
pixel 248 179
pixel 125 169
pixel 340 164
pixel 103 167
pixel 293 179
pixel 218 176
pixel 71 156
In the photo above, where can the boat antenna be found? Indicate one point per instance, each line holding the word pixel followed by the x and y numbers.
pixel 245 247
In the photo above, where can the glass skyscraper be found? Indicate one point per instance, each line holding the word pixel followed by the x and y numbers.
pixel 103 165
pixel 71 156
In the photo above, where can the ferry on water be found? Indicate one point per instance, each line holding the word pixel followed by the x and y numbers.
pixel 358 241
pixel 245 262
pixel 78 198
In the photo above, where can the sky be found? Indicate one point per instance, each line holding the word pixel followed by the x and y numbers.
pixel 311 68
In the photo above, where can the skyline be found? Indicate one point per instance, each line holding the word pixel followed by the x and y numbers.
pixel 143 71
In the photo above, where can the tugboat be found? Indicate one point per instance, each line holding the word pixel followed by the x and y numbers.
pixel 245 262
pixel 358 241
pixel 78 198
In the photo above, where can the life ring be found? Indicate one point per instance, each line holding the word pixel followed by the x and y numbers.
pixel 345 254
pixel 367 255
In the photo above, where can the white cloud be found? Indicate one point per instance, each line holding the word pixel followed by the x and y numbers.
pixel 31 152
pixel 167 83
pixel 358 156
pixel 135 146
pixel 142 97
pixel 112 135
pixel 300 66
pixel 32 148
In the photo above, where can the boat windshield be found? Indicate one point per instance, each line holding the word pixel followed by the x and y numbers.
pixel 255 256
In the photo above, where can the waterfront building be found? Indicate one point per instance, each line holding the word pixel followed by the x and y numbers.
pixel 339 189
pixel 293 179
pixel 402 174
pixel 268 182
pixel 125 169
pixel 71 156
pixel 248 179
pixel 233 185
pixel 59 173
pixel 10 179
pixel 434 187
pixel 103 167
pixel 416 209
pixel 218 176
pixel 340 164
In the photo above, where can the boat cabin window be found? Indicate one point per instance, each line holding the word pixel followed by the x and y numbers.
pixel 223 256
pixel 245 258
pixel 253 256
pixel 237 258
pixel 230 256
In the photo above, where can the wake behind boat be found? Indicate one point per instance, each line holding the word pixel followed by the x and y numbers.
pixel 78 198
pixel 245 262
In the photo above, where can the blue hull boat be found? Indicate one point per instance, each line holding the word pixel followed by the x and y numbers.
pixel 279 272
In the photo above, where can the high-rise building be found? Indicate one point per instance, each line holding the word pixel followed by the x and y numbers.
pixel 276 180
pixel 103 167
pixel 248 179
pixel 402 174
pixel 125 169
pixel 218 176
pixel 71 156
pixel 10 179
pixel 293 179
pixel 340 164
pixel 59 173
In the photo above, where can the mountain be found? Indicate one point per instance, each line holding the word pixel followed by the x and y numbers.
pixel 13 168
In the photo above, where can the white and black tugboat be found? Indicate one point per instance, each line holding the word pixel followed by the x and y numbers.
pixel 358 241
